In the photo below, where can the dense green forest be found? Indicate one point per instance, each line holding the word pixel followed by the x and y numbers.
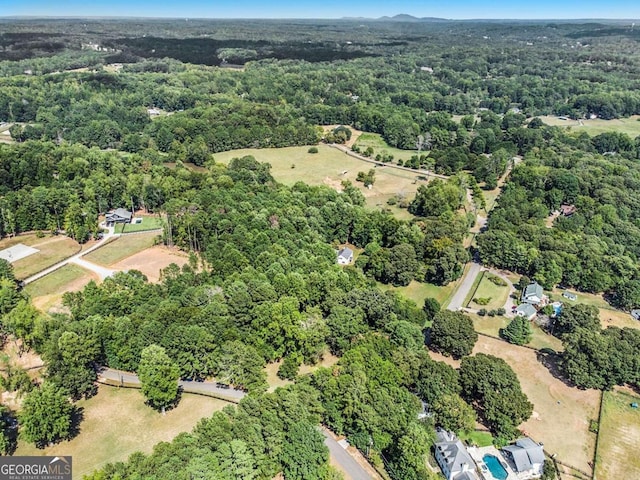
pixel 117 113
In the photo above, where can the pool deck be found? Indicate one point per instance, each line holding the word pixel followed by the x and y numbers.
pixel 477 453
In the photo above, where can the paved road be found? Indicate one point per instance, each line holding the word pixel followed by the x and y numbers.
pixel 351 468
pixel 464 288
pixel 75 257
pixel 103 272
pixel 188 386
pixel 353 154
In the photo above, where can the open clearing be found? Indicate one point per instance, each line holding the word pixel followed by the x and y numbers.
pixel 630 126
pixel 117 423
pixel 418 291
pixel 497 294
pixel 561 413
pixel 328 167
pixel 375 141
pixel 51 250
pixel 46 292
pixel 272 370
pixel 121 248
pixel 152 260
pixel 619 437
pixel 492 325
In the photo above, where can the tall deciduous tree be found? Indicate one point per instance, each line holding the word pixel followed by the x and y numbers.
pixel 452 334
pixel 158 376
pixel 46 415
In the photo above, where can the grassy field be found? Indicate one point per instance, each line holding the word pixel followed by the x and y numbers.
pixel 56 282
pixel 478 438
pixel 619 437
pixel 52 249
pixel 121 248
pixel 418 291
pixel 630 126
pixel 117 423
pixel 492 325
pixel 487 289
pixel 375 141
pixel 148 223
pixel 561 413
pixel 330 167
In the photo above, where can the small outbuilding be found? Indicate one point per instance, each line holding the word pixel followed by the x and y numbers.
pixel 526 455
pixel 570 296
pixel 345 256
pixel 635 314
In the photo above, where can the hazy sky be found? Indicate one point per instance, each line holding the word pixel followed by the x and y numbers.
pixel 327 8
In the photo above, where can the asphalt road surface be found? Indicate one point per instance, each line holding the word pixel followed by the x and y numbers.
pixel 348 464
pixel 464 288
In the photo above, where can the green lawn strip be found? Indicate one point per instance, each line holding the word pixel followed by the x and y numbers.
pixel 148 223
pixel 56 281
pixel 375 141
pixel 474 288
pixel 116 423
pixel 618 437
pixel 121 248
pixel 418 291
pixel 478 438
pixel 487 289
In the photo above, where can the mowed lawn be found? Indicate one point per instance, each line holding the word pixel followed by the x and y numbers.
pixel 121 248
pixel 630 126
pixel 330 167
pixel 52 249
pixel 561 413
pixel 117 423
pixel 46 292
pixel 497 294
pixel 148 223
pixel 418 291
pixel 619 437
pixel 492 325
pixel 375 141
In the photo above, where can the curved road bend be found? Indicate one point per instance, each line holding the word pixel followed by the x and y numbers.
pixel 348 464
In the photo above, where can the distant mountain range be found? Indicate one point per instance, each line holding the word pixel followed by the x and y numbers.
pixel 402 17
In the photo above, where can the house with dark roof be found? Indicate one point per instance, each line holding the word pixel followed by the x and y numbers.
pixel 119 215
pixel 534 295
pixel 345 256
pixel 453 458
pixel 527 456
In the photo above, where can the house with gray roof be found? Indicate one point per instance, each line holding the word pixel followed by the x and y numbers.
pixel 453 458
pixel 533 294
pixel 119 215
pixel 526 456
pixel 635 313
pixel 345 256
pixel 526 310
pixel 570 296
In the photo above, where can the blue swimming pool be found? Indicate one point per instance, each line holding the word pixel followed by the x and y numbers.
pixel 495 467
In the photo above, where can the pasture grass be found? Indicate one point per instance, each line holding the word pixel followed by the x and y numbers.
pixel 331 167
pixel 618 437
pixel 121 248
pixel 116 423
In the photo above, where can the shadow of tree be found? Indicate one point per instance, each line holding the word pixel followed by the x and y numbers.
pixel 76 419
pixel 553 362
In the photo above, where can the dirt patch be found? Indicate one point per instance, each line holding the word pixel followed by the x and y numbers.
pixel 152 260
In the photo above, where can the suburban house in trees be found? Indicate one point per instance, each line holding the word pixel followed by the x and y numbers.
pixel 534 295
pixel 119 215
pixel 453 458
pixel 527 457
pixel 345 256
pixel 567 210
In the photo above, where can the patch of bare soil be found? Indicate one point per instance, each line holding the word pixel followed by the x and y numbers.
pixel 152 260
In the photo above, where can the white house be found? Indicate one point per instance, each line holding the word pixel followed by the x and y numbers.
pixel 533 294
pixel 526 310
pixel 635 313
pixel 453 458
pixel 527 456
pixel 345 256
